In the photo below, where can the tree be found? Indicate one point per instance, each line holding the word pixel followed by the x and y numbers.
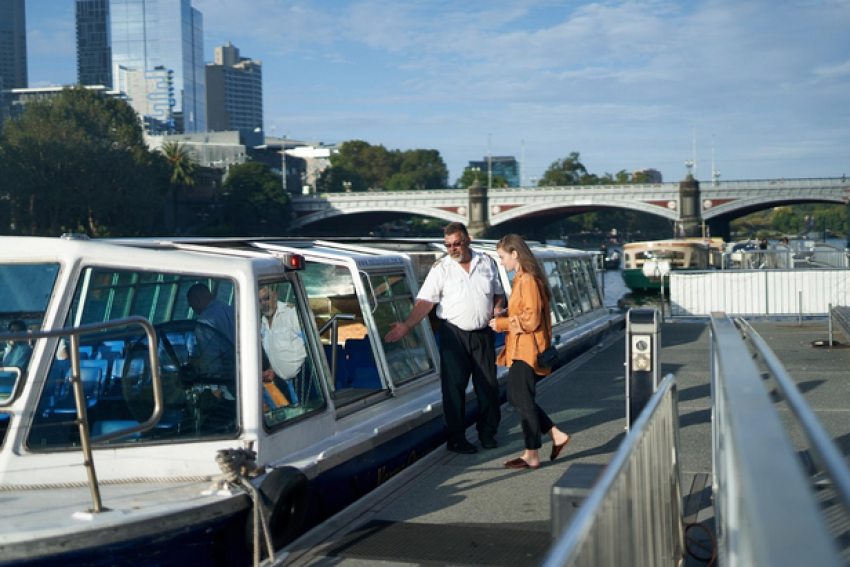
pixel 565 171
pixel 78 163
pixel 256 204
pixel 183 169
pixel 471 175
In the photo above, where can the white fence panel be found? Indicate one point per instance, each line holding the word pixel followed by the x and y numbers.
pixel 758 292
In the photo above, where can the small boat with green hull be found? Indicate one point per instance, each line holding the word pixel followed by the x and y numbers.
pixel 645 263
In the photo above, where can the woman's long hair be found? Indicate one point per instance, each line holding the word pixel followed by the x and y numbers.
pixel 515 243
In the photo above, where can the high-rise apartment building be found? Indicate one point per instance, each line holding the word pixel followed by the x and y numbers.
pixel 13 44
pixel 94 50
pixel 151 94
pixel 152 35
pixel 234 92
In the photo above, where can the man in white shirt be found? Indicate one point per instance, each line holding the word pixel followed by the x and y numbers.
pixel 465 287
pixel 283 340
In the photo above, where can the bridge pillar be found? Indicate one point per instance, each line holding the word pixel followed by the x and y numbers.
pixel 690 217
pixel 479 210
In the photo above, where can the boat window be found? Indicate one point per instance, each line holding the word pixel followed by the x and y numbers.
pixel 197 358
pixel 592 284
pixel 5 420
pixel 570 287
pixel 580 281
pixel 26 291
pixel 408 358
pixel 332 292
pixel 558 307
pixel 290 379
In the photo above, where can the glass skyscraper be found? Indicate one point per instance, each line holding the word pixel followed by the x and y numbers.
pixel 94 54
pixel 164 34
pixel 13 44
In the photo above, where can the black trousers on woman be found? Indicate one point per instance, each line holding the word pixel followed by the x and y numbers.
pixel 522 384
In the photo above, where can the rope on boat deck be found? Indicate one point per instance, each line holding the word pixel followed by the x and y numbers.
pixel 116 481
pixel 239 466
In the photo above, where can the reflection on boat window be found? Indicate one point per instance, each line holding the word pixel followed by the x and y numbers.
pixel 25 290
pixel 408 358
pixel 580 282
pixel 290 379
pixel 332 292
pixel 572 290
pixel 559 306
pixel 197 357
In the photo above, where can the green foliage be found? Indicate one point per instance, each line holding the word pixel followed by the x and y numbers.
pixel 368 167
pixel 256 203
pixel 470 175
pixel 565 171
pixel 78 163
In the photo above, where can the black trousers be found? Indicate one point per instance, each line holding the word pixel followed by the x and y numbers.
pixel 463 353
pixel 522 385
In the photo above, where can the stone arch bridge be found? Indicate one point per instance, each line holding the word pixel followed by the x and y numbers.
pixel 688 202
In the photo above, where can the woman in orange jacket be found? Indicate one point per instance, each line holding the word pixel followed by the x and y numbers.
pixel 528 330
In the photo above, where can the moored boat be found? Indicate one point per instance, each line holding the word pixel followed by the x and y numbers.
pixel 646 263
pixel 164 417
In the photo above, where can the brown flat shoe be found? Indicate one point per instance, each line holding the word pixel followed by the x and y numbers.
pixel 519 463
pixel 556 449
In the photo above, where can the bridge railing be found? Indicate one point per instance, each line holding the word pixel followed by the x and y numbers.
pixel 757 293
pixel 633 514
pixel 766 510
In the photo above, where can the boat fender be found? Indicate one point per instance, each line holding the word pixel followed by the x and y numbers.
pixel 282 497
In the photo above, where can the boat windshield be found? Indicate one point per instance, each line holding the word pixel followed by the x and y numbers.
pixel 25 290
pixel 195 322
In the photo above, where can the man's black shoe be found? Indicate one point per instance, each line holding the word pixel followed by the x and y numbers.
pixel 489 443
pixel 464 447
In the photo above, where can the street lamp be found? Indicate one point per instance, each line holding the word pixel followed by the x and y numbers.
pixel 534 181
pixel 689 163
pixel 347 185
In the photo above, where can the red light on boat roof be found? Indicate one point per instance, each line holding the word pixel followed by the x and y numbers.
pixel 295 262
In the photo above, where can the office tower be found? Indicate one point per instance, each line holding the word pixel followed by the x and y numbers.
pixel 234 92
pixel 13 44
pixel 153 35
pixel 94 52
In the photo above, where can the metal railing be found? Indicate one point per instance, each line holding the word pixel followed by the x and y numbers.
pixel 633 515
pixel 757 292
pixel 86 440
pixel 765 511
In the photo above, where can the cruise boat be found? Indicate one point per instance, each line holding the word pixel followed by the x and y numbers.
pixel 126 438
pixel 646 263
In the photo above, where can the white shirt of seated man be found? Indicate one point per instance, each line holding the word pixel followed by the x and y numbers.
pixel 281 334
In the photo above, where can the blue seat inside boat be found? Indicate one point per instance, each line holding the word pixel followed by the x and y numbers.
pixel 108 426
pixel 362 370
pixel 341 378
pixel 92 373
pixel 7 383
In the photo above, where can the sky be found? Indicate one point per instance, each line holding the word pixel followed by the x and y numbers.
pixel 758 88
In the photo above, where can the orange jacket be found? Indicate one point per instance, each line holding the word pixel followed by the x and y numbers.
pixel 528 327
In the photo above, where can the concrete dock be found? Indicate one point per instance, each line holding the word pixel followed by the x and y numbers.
pixel 450 509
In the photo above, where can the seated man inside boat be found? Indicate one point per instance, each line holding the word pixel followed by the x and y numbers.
pixel 17 352
pixel 283 349
pixel 214 333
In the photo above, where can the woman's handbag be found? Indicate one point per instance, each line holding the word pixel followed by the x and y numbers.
pixel 547 358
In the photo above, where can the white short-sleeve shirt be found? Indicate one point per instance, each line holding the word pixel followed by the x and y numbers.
pixel 463 299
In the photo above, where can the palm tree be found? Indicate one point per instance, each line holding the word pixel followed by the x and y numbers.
pixel 184 169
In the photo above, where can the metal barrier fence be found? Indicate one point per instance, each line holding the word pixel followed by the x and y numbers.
pixel 765 511
pixel 757 292
pixel 633 516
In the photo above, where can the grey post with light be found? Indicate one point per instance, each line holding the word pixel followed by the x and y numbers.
pixel 643 336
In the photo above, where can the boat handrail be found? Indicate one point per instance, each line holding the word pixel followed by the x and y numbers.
pixel 86 440
pixel 764 503
pixel 633 514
